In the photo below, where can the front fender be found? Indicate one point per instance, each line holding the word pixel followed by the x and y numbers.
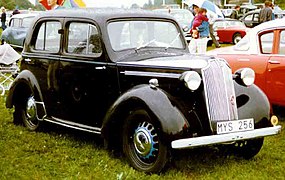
pixel 252 103
pixel 157 101
pixel 25 81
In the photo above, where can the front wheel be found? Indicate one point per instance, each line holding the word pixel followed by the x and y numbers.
pixel 142 143
pixel 25 112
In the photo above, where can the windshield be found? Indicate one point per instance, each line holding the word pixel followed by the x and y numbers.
pixel 227 24
pixel 243 44
pixel 138 34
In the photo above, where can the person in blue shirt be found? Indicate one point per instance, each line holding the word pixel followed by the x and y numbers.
pixel 199 45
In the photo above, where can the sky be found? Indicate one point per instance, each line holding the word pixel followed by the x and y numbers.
pixel 110 3
pixel 114 3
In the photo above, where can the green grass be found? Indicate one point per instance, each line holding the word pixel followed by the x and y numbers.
pixel 61 153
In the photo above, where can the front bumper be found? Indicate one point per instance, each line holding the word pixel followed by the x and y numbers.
pixel 224 138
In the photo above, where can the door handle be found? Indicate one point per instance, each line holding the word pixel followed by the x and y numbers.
pixel 102 67
pixel 274 62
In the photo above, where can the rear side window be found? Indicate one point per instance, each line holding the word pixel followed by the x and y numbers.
pixel 84 39
pixel 48 38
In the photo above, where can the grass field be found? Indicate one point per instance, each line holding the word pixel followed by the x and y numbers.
pixel 60 153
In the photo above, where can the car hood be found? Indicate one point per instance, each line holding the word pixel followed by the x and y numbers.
pixel 184 61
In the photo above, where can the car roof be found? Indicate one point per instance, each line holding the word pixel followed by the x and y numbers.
pixel 24 15
pixel 273 24
pixel 103 14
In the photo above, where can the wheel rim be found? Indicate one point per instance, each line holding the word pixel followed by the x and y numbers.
pixel 31 112
pixel 145 142
pixel 237 39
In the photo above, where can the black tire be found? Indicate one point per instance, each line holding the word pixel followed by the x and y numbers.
pixel 236 38
pixel 149 156
pixel 248 148
pixel 25 113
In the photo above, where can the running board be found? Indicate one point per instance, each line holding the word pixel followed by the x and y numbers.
pixel 74 125
pixel 224 138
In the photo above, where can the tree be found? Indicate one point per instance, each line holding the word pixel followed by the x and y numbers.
pixel 8 4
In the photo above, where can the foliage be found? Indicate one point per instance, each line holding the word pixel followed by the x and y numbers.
pixel 20 4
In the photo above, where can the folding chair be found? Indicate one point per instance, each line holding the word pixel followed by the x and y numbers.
pixel 8 67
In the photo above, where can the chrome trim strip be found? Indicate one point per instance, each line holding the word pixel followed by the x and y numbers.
pixel 75 125
pixel 224 138
pixel 151 74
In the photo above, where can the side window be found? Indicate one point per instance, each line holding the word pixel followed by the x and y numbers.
pixel 248 18
pixel 48 38
pixel 266 42
pixel 282 43
pixel 256 17
pixel 15 23
pixel 84 39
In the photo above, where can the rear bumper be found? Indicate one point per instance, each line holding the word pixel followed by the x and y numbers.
pixel 224 138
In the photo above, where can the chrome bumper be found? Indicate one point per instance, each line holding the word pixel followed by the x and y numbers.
pixel 224 138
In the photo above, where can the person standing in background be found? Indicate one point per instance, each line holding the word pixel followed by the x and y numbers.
pixel 272 7
pixel 234 14
pixel 199 45
pixel 213 37
pixel 3 18
pixel 265 13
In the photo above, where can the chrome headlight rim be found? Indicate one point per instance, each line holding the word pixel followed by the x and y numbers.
pixel 192 80
pixel 246 76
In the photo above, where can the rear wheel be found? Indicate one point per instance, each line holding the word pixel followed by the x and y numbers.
pixel 142 143
pixel 25 112
pixel 237 37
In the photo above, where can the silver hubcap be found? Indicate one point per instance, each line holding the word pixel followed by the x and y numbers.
pixel 237 39
pixel 144 140
pixel 31 108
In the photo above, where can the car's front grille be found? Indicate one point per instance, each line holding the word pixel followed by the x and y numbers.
pixel 219 91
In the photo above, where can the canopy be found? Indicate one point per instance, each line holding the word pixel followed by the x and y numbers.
pixel 211 7
pixel 65 3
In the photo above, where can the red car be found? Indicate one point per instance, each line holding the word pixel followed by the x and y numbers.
pixel 263 50
pixel 229 30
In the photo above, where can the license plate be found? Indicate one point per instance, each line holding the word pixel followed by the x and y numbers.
pixel 235 126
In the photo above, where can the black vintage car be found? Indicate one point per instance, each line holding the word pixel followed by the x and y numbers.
pixel 127 75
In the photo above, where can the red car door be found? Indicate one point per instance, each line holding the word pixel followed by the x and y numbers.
pixel 275 81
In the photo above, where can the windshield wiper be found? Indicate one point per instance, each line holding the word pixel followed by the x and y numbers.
pixel 172 41
pixel 144 45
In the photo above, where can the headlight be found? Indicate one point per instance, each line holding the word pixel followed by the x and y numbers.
pixel 245 76
pixel 192 80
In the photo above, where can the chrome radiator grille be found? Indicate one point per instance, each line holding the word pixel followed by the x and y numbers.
pixel 219 91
